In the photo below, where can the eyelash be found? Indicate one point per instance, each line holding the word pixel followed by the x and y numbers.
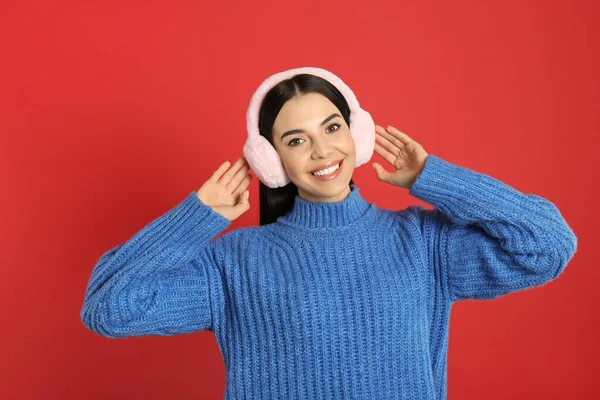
pixel 338 128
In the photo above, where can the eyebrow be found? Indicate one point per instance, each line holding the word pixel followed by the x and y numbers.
pixel 294 131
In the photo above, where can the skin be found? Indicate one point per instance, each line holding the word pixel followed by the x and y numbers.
pixel 405 155
pixel 226 191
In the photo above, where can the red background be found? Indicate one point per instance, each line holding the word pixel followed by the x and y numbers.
pixel 111 113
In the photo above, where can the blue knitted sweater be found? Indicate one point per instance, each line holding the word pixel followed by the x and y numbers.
pixel 336 300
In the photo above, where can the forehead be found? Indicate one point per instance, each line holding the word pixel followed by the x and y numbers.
pixel 307 110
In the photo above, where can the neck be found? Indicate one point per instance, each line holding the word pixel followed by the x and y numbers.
pixel 331 199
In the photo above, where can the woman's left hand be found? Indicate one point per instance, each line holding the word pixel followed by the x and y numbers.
pixel 406 156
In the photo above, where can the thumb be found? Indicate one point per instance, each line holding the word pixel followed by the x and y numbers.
pixel 244 202
pixel 381 172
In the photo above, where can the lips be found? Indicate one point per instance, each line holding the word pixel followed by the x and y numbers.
pixel 326 165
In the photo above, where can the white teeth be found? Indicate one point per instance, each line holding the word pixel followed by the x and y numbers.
pixel 327 171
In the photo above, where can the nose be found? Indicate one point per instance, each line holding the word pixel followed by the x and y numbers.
pixel 321 148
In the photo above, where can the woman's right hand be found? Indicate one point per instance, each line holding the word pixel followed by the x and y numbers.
pixel 225 192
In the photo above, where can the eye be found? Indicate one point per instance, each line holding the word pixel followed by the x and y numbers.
pixel 292 141
pixel 337 125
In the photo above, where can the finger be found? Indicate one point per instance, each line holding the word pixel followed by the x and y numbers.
pixel 391 138
pixel 386 155
pixel 243 185
pixel 217 174
pixel 382 174
pixel 237 178
pixel 243 201
pixel 400 135
pixel 379 128
pixel 391 147
pixel 231 172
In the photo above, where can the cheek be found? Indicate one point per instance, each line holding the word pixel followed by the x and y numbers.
pixel 349 144
pixel 291 161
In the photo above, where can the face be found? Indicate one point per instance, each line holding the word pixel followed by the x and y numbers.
pixel 308 133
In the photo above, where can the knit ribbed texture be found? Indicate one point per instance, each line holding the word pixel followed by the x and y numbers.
pixel 334 300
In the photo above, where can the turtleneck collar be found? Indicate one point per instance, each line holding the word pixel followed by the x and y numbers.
pixel 327 215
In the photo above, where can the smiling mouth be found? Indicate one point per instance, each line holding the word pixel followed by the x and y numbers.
pixel 329 171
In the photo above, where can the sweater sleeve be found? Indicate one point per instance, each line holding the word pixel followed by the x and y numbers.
pixel 490 239
pixel 161 281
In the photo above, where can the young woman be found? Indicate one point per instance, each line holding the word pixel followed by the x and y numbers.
pixel 330 296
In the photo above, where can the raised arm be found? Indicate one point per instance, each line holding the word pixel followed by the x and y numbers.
pixel 165 280
pixel 487 238
pixel 159 281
